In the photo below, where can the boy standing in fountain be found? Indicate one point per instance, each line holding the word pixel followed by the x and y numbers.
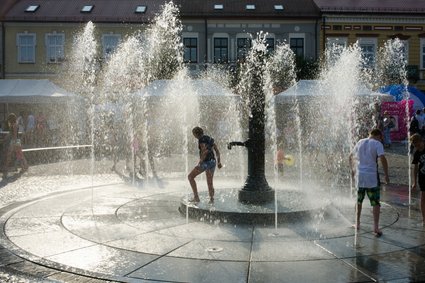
pixel 364 162
pixel 207 163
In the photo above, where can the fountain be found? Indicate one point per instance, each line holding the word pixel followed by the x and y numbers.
pixel 143 92
pixel 158 105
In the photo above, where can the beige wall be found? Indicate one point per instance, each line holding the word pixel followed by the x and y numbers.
pixel 42 69
pixel 382 35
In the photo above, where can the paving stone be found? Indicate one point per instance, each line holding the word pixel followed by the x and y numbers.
pixel 7 257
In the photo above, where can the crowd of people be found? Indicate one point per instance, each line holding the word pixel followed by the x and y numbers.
pixel 25 130
pixel 34 130
pixel 12 146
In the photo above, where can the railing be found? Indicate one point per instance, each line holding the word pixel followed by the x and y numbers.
pixel 55 147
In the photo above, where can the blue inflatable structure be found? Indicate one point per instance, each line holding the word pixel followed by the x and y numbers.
pixel 400 92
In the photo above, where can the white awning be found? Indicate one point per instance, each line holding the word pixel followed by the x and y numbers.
pixel 32 91
pixel 309 89
pixel 199 87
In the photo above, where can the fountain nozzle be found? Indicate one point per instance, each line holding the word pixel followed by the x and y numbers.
pixel 230 144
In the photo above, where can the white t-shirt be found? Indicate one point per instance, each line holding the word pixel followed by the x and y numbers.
pixel 367 152
pixel 31 122
pixel 20 122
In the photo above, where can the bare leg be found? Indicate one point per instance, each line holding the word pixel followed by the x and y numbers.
pixel 192 175
pixel 359 212
pixel 210 177
pixel 152 165
pixel 376 211
pixel 423 206
pixel 7 159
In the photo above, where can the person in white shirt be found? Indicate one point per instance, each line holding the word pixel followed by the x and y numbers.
pixel 30 128
pixel 21 124
pixel 364 168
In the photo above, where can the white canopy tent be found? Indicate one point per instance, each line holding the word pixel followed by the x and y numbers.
pixel 32 91
pixel 307 89
pixel 201 87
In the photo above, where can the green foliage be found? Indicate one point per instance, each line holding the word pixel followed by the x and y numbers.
pixel 306 69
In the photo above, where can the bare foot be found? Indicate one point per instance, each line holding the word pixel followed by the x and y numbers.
pixel 377 233
pixel 195 200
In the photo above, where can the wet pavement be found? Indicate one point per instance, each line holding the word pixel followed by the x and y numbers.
pixel 80 228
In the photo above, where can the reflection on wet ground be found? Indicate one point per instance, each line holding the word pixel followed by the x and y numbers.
pixel 101 228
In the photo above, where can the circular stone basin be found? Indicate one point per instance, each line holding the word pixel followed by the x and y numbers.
pixel 288 206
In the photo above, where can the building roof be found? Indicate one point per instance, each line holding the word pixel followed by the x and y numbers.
pixel 372 6
pixel 71 10
pixel 5 6
pixel 124 10
pixel 237 8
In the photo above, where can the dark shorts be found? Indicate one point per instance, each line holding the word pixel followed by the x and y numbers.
pixel 280 168
pixel 374 195
pixel 421 184
pixel 207 165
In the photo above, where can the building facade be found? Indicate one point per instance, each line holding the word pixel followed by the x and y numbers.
pixel 371 24
pixel 36 36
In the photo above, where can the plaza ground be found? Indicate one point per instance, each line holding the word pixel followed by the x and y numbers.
pixel 106 227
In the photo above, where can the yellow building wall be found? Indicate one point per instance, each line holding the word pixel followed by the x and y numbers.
pixel 41 68
pixel 383 36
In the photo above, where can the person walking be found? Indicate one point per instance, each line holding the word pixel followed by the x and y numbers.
pixel 14 147
pixel 364 168
pixel 414 128
pixel 209 157
pixel 30 128
pixel 388 125
pixel 419 169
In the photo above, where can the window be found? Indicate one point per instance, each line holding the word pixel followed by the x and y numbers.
pixel 422 53
pixel 32 8
pixel 221 50
pixel 250 7
pixel 190 50
pixel 26 47
pixel 297 46
pixel 110 43
pixel 332 42
pixel 406 50
pixel 55 47
pixel 270 44
pixel 368 54
pixel 334 47
pixel 368 48
pixel 278 7
pixel 140 9
pixel 242 47
pixel 87 9
pixel 218 6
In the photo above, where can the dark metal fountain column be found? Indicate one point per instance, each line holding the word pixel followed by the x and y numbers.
pixel 256 189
